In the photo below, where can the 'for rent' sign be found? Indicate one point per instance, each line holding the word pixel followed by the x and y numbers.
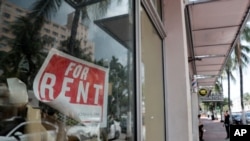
pixel 73 86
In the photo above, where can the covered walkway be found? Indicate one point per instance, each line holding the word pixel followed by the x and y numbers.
pixel 214 130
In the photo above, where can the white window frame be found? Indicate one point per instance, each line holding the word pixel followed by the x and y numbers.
pixel 154 16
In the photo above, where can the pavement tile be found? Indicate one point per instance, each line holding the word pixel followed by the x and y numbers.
pixel 214 130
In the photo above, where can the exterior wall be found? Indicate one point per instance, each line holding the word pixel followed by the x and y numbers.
pixel 177 73
pixel 195 111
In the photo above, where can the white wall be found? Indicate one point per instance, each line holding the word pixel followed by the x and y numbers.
pixel 178 96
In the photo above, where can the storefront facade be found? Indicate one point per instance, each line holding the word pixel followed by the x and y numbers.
pixel 96 70
pixel 74 70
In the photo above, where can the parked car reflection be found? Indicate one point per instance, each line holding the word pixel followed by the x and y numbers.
pixel 85 132
pixel 114 130
pixel 7 125
pixel 27 130
pixel 248 117
pixel 236 118
pixel 82 132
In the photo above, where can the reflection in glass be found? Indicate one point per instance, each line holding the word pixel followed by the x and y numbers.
pixel 90 34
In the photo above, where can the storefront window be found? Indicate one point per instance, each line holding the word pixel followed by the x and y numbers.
pixel 153 114
pixel 67 70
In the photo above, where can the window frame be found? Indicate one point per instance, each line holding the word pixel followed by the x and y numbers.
pixel 157 22
pixel 154 17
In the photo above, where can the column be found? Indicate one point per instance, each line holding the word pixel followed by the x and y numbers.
pixel 178 95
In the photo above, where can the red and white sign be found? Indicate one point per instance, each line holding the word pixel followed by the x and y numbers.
pixel 76 88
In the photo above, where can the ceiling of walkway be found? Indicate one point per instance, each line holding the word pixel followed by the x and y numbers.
pixel 214 26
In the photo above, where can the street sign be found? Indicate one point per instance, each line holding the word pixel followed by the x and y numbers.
pixel 76 88
pixel 203 92
pixel 212 97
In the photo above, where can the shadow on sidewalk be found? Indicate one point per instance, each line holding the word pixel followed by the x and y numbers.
pixel 214 130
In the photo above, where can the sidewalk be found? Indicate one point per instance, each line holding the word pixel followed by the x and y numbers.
pixel 214 130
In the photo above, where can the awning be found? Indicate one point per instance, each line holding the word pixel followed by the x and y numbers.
pixel 112 26
pixel 214 26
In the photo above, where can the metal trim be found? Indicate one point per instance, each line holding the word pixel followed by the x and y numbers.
pixel 212 28
pixel 212 64
pixel 138 70
pixel 153 15
pixel 208 71
pixel 200 2
pixel 164 50
pixel 213 45
pixel 190 42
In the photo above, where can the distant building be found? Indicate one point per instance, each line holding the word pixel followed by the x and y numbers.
pixel 53 31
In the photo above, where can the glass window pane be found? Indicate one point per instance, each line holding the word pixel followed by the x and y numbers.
pixel 68 63
pixel 152 82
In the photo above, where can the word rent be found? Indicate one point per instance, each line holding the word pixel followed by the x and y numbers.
pixel 73 73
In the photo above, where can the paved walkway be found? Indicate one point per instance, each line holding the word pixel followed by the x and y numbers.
pixel 214 130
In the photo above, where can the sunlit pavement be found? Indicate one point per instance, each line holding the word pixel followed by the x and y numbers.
pixel 214 130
